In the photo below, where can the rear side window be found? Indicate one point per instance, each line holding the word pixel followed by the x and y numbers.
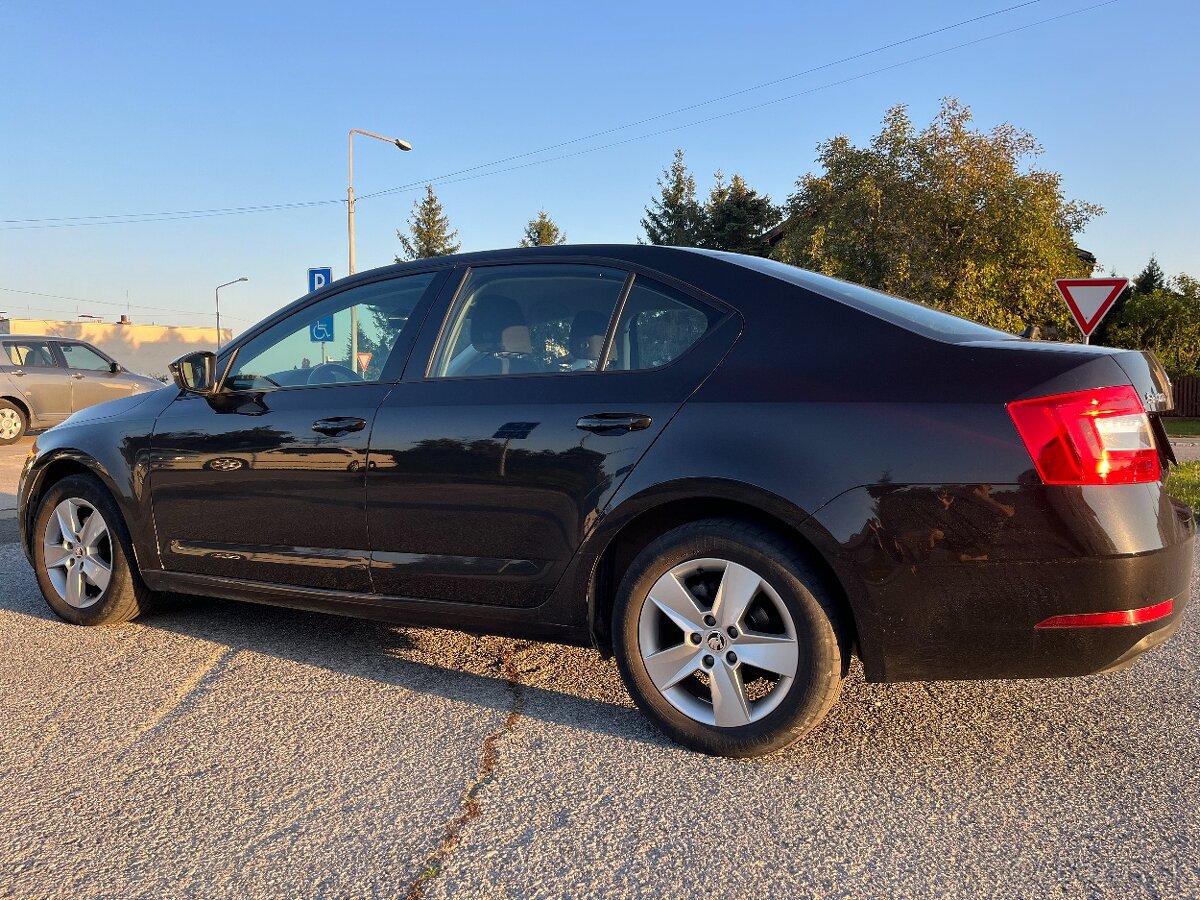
pixel 30 354
pixel 528 320
pixel 657 326
pixel 80 357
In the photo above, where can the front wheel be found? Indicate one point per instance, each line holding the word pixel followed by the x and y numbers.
pixel 82 555
pixel 728 639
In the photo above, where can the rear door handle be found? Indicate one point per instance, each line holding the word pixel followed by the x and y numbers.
pixel 339 425
pixel 77 376
pixel 614 423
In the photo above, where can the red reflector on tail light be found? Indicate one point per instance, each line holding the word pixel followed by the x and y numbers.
pixel 1100 436
pixel 1110 619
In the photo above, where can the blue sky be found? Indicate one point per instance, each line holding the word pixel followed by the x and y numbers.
pixel 136 107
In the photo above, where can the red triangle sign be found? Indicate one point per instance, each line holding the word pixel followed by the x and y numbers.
pixel 1089 299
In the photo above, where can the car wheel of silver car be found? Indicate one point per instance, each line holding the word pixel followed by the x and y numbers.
pixel 12 422
pixel 728 639
pixel 82 555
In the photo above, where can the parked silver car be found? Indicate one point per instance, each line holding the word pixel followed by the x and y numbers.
pixel 45 379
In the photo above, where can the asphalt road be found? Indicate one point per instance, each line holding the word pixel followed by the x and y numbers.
pixel 216 749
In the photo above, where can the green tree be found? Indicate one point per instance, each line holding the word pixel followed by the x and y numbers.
pixel 736 216
pixel 951 216
pixel 1166 321
pixel 542 232
pixel 1151 279
pixel 674 217
pixel 429 230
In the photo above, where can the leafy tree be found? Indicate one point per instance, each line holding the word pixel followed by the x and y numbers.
pixel 429 230
pixel 674 217
pixel 1164 320
pixel 542 232
pixel 736 216
pixel 951 216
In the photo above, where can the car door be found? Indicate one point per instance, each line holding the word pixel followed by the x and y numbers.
pixel 92 378
pixel 488 466
pixel 39 374
pixel 264 480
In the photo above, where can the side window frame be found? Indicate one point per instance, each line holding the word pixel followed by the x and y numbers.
pixel 433 348
pixel 392 371
pixel 722 310
pixel 59 345
pixel 51 348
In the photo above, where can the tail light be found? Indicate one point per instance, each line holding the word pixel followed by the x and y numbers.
pixel 1100 436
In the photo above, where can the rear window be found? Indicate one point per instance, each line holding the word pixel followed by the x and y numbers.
pixel 907 314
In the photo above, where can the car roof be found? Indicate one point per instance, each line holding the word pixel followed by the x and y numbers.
pixel 42 337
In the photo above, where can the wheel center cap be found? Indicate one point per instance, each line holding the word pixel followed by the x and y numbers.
pixel 716 642
pixel 79 553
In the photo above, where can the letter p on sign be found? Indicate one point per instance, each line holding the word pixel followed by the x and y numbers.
pixel 319 278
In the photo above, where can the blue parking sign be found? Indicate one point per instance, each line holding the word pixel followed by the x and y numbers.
pixel 319 278
pixel 321 331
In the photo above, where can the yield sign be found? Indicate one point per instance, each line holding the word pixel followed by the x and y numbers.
pixel 1090 298
pixel 364 360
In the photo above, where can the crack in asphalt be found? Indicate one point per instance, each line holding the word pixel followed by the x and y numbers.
pixel 488 760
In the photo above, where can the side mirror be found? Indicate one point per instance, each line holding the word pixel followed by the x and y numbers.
pixel 196 373
pixel 116 368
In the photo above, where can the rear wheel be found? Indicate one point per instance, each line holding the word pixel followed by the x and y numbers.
pixel 82 555
pixel 728 639
pixel 12 422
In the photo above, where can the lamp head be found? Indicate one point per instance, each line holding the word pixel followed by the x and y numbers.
pixel 403 145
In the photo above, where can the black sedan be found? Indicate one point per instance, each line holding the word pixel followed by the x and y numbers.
pixel 731 473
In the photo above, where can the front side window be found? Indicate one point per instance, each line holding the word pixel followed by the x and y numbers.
pixel 30 354
pixel 80 357
pixel 657 326
pixel 528 319
pixel 316 345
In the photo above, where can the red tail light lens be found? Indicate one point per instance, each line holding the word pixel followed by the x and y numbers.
pixel 1100 436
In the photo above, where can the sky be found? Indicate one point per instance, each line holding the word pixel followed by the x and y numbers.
pixel 127 108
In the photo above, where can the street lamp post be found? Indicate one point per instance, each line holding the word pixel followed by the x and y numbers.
pixel 217 295
pixel 403 145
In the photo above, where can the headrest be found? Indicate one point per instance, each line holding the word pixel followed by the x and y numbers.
pixel 587 334
pixel 498 326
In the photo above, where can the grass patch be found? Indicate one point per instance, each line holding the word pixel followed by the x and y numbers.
pixel 1182 427
pixel 1184 483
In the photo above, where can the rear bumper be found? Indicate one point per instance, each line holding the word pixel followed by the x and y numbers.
pixel 981 621
pixel 938 596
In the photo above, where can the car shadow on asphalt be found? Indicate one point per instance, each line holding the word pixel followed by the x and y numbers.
pixel 573 687
pixel 567 686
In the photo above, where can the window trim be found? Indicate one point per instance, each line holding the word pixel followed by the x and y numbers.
pixel 60 344
pixel 633 272
pixel 424 305
pixel 51 346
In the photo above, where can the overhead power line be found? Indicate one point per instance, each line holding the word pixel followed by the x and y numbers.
pixel 119 304
pixel 474 172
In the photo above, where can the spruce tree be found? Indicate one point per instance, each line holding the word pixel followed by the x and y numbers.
pixel 429 230
pixel 542 232
pixel 1151 279
pixel 736 217
pixel 674 217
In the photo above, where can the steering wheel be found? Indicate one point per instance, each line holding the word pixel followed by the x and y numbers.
pixel 321 374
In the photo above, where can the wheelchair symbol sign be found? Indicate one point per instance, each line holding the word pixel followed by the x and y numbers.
pixel 321 331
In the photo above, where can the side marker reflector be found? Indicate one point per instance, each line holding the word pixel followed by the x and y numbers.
pixel 1111 619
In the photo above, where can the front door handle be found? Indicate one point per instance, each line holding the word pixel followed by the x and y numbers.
pixel 77 376
pixel 17 373
pixel 614 423
pixel 338 425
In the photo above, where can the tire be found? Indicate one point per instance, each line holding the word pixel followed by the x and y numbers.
pixel 13 422
pixel 772 651
pixel 71 556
